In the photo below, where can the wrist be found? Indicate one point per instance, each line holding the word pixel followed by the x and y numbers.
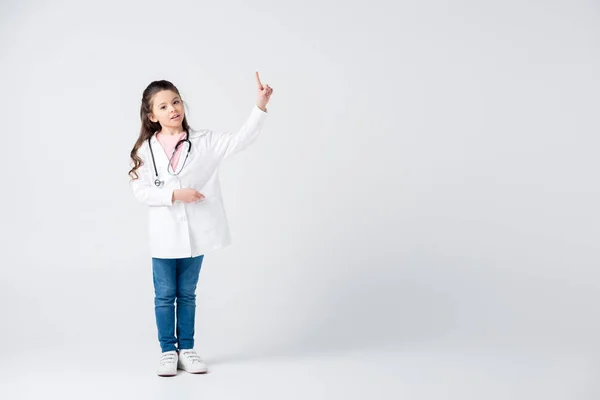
pixel 262 107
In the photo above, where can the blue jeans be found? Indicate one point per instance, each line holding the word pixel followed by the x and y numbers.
pixel 175 279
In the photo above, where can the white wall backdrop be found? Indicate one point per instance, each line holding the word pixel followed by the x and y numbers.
pixel 428 172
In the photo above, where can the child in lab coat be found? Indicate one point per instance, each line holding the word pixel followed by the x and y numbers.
pixel 175 173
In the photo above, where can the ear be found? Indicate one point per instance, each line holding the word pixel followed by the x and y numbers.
pixel 152 118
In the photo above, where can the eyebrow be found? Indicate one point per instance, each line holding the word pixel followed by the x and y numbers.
pixel 176 97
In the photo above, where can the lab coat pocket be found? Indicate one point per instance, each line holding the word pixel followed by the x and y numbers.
pixel 159 226
pixel 205 214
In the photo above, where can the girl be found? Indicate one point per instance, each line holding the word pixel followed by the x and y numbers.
pixel 175 172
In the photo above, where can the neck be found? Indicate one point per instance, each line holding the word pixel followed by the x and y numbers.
pixel 171 130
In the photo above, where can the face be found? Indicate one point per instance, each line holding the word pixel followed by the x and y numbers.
pixel 167 109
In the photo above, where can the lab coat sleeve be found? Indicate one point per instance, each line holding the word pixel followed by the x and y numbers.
pixel 144 189
pixel 226 144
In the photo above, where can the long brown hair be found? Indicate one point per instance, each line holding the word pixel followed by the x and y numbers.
pixel 148 127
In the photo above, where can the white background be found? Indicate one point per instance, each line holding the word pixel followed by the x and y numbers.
pixel 425 188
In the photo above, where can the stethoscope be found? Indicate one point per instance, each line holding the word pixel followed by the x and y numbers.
pixel 157 181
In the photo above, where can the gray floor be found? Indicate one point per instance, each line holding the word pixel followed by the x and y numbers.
pixel 66 337
pixel 435 370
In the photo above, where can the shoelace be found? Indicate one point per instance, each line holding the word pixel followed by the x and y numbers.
pixel 192 356
pixel 167 358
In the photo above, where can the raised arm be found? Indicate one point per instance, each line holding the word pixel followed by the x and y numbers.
pixel 228 143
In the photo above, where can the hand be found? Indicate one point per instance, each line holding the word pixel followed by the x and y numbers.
pixel 264 94
pixel 187 195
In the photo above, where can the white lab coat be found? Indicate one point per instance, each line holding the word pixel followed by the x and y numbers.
pixel 180 230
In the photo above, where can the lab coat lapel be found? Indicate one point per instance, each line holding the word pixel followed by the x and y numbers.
pixel 159 155
pixel 183 152
pixel 193 137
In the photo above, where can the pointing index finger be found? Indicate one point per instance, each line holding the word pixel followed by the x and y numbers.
pixel 260 86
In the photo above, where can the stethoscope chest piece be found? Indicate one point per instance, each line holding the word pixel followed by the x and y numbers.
pixel 158 182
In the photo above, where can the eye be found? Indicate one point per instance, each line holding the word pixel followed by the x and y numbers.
pixel 176 102
pixel 162 107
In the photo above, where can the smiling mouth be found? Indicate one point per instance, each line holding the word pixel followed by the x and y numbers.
pixel 175 116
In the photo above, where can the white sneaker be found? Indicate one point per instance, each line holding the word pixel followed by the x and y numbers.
pixel 190 362
pixel 168 364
